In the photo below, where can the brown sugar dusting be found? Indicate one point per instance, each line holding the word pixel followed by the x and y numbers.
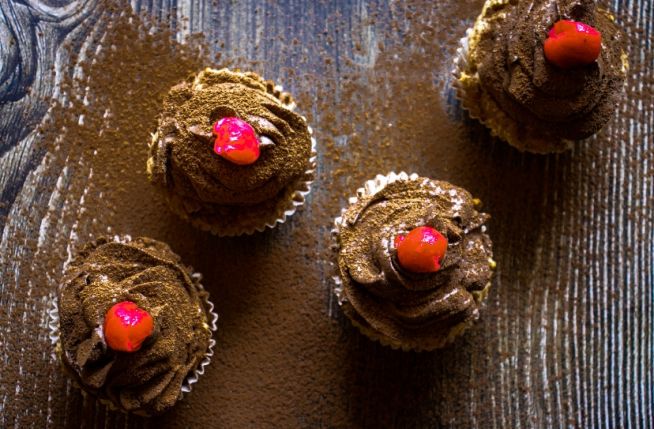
pixel 378 95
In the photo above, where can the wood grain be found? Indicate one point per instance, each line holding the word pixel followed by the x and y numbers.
pixel 565 339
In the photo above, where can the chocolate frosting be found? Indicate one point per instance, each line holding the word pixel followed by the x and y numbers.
pixel 560 103
pixel 415 310
pixel 203 184
pixel 148 273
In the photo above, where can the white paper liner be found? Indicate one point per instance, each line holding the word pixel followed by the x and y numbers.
pixel 370 188
pixel 191 378
pixel 460 64
pixel 212 319
pixel 281 214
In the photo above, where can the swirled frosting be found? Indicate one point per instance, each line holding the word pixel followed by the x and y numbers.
pixel 548 103
pixel 209 189
pixel 148 273
pixel 410 310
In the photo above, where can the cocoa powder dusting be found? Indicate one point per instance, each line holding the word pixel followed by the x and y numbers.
pixel 374 81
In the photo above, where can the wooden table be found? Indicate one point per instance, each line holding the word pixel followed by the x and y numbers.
pixel 565 338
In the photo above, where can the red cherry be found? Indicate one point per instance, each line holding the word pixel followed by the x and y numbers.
pixel 126 326
pixel 236 141
pixel 570 44
pixel 421 250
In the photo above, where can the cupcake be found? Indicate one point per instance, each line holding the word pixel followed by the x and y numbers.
pixel 133 325
pixel 414 261
pixel 230 154
pixel 542 74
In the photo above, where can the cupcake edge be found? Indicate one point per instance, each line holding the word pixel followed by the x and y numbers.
pixel 187 385
pixel 294 194
pixel 370 188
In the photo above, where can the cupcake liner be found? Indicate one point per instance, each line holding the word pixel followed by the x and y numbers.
pixel 294 194
pixel 191 378
pixel 384 340
pixel 370 188
pixel 212 321
pixel 481 106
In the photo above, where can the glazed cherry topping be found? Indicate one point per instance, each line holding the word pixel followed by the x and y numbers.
pixel 571 44
pixel 421 250
pixel 236 141
pixel 126 326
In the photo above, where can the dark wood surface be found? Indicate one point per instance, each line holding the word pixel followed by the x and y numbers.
pixel 565 339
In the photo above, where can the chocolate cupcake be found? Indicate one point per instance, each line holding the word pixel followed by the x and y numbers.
pixel 230 154
pixel 542 74
pixel 414 261
pixel 132 325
